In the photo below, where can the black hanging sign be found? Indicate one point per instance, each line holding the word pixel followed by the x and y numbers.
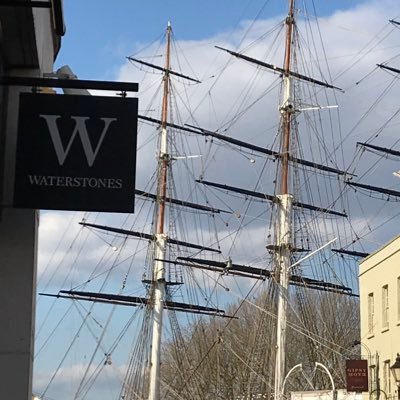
pixel 76 153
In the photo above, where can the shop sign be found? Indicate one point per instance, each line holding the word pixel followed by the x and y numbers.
pixel 76 153
pixel 357 375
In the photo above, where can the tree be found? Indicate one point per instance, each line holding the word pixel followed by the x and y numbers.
pixel 234 359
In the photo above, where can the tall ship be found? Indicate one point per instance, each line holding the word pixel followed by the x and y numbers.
pixel 240 261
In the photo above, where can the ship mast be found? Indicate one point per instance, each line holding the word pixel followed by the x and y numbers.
pixel 158 276
pixel 285 200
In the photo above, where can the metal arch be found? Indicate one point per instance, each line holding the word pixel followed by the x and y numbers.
pixel 378 391
pixel 287 376
pixel 317 364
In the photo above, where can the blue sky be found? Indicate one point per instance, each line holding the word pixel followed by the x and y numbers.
pixel 101 33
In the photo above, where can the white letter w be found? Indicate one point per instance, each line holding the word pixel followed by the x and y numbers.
pixel 80 128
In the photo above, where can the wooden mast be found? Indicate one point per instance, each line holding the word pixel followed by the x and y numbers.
pixel 158 278
pixel 287 107
pixel 283 237
pixel 164 157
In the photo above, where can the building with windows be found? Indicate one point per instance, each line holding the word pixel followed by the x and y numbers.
pixel 30 38
pixel 380 316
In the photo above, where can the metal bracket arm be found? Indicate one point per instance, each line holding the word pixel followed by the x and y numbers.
pixel 69 83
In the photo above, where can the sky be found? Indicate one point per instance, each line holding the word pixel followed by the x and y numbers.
pixel 101 34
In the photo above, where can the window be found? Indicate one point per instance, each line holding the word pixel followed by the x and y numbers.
pixel 385 306
pixel 370 314
pixel 386 376
pixel 398 298
pixel 372 378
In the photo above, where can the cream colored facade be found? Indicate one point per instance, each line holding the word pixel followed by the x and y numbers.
pixel 380 316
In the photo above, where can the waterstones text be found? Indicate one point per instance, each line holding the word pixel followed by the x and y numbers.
pixel 75 182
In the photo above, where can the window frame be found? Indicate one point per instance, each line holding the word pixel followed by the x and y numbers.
pixel 385 307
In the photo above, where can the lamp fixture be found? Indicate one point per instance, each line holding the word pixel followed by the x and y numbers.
pixel 395 368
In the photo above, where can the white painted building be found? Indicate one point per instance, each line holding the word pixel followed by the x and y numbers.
pixel 380 316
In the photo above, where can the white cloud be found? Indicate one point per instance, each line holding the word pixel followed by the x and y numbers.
pixel 68 380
